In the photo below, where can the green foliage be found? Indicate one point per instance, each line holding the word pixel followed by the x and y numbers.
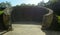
pixel 23 4
pixel 53 1
pixel 58 19
pixel 1 12
pixel 5 4
pixel 41 3
pixel 8 4
pixel 55 6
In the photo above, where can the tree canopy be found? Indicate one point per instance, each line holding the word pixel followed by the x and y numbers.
pixel 4 5
pixel 54 5
pixel 41 3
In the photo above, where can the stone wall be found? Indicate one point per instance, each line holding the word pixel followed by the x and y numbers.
pixel 7 18
pixel 32 13
pixel 28 13
pixel 47 19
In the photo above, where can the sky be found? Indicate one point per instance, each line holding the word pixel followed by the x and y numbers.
pixel 18 2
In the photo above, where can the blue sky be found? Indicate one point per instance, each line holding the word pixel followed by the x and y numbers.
pixel 18 2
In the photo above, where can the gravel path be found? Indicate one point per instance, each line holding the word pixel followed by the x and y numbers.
pixel 29 29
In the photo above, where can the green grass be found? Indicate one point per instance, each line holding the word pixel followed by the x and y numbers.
pixel 1 12
pixel 58 19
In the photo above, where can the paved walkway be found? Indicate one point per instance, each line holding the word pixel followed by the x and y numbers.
pixel 29 29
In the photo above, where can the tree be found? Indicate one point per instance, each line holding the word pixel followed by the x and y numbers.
pixel 8 4
pixel 2 4
pixel 23 4
pixel 53 1
pixel 54 5
pixel 41 3
pixel 5 4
